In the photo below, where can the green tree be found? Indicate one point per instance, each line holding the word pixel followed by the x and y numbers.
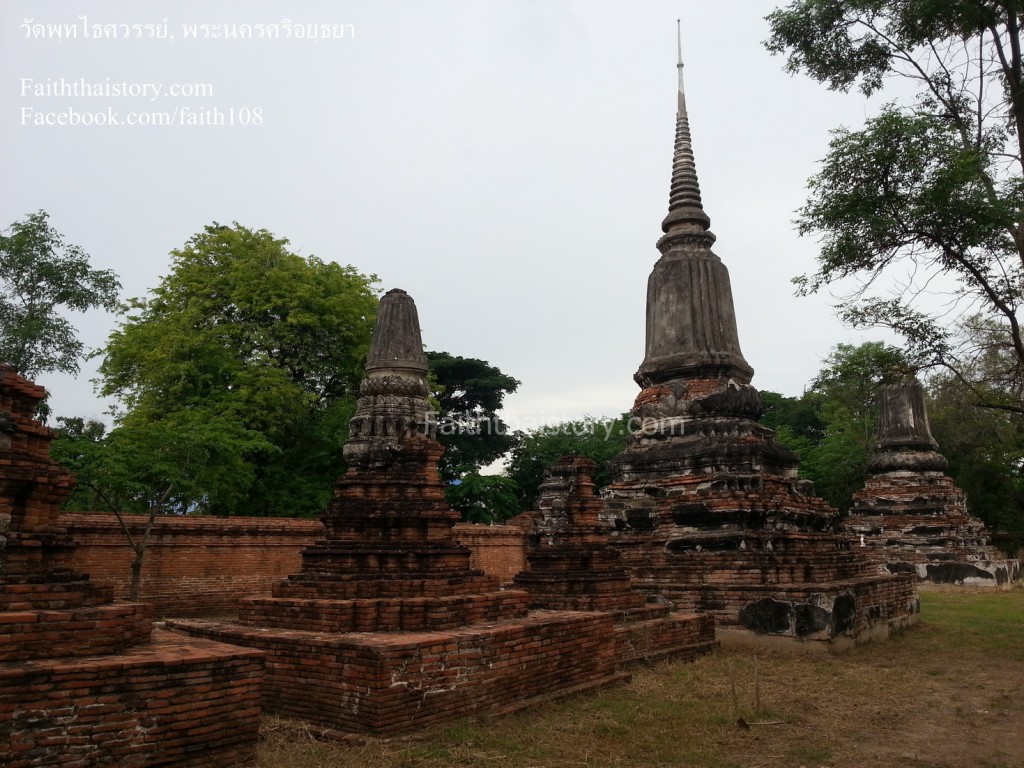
pixel 484 498
pixel 928 189
pixel 262 342
pixel 600 440
pixel 849 385
pixel 833 425
pixel 985 450
pixel 190 460
pixel 41 276
pixel 469 393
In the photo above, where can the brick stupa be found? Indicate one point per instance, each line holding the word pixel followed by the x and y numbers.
pixel 83 681
pixel 387 627
pixel 572 567
pixel 706 505
pixel 909 515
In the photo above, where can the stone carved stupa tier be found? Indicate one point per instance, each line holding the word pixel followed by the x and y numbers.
pixel 706 505
pixel 387 627
pixel 910 516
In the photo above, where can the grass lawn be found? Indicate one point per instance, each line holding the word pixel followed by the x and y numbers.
pixel 949 692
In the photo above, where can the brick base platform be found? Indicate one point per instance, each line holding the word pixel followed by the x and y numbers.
pixel 386 683
pixel 801 590
pixel 655 632
pixel 396 614
pixel 171 702
pixel 918 522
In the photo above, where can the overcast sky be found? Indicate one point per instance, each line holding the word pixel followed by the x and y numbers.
pixel 506 163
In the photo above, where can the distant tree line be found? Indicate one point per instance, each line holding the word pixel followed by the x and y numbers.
pixel 235 379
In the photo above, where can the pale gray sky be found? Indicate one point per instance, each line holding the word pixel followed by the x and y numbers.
pixel 507 163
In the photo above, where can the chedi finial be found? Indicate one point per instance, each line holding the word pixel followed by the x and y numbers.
pixel 685 208
pixel 394 409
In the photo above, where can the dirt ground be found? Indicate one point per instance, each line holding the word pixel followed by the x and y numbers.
pixel 946 694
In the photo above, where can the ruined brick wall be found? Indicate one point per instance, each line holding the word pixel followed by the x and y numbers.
pixel 194 566
pixel 498 550
pixel 202 566
pixel 173 702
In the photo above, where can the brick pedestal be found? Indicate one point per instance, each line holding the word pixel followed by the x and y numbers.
pixel 387 627
pixel 83 681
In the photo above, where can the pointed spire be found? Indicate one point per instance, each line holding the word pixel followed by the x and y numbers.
pixel 691 322
pixel 684 203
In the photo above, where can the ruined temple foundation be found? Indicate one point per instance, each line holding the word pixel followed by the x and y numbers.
pixel 83 680
pixel 910 516
pixel 706 505
pixel 572 567
pixel 387 627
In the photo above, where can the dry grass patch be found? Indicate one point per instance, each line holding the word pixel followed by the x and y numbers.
pixel 945 694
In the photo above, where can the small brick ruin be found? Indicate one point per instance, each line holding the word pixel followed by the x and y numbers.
pixel 83 680
pixel 706 505
pixel 387 627
pixel 909 515
pixel 572 567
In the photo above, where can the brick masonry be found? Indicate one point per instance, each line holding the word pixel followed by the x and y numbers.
pixel 910 516
pixel 386 683
pixel 84 681
pixel 171 702
pixel 387 626
pixel 572 567
pixel 205 566
pixel 194 566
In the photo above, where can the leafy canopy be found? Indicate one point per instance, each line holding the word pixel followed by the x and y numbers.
pixel 469 393
pixel 833 425
pixel 40 276
pixel 985 449
pixel 266 345
pixel 921 209
pixel 600 440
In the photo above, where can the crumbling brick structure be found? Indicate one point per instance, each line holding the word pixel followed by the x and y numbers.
pixel 909 515
pixel 572 567
pixel 387 627
pixel 707 506
pixel 82 682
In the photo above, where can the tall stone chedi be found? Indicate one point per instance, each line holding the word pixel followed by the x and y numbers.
pixel 909 515
pixel 706 505
pixel 387 627
pixel 85 681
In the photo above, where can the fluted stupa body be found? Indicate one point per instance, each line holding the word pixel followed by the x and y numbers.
pixel 706 505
